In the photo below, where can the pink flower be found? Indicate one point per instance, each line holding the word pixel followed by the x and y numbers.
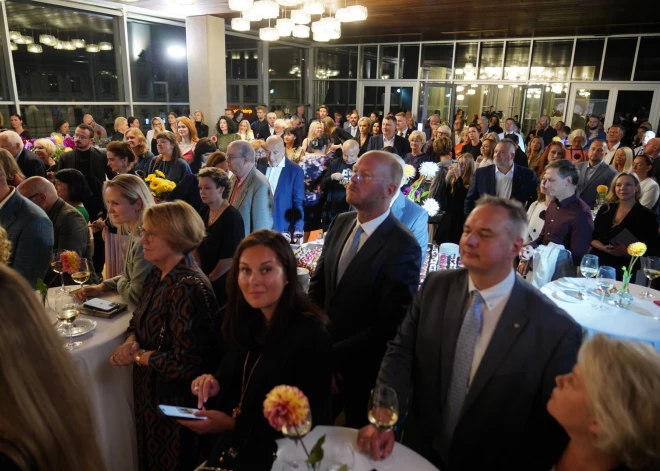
pixel 214 139
pixel 70 261
pixel 286 406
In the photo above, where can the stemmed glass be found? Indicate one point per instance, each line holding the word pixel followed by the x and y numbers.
pixel 588 267
pixel 383 414
pixel 68 314
pixel 605 280
pixel 56 266
pixel 297 434
pixel 82 275
pixel 651 267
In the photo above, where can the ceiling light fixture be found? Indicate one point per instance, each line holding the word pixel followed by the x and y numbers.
pixel 284 26
pixel 240 5
pixel 301 31
pixel 47 39
pixel 268 8
pixel 289 3
pixel 183 2
pixel 13 46
pixel 14 35
pixel 301 17
pixel 93 48
pixel 68 46
pixel 314 7
pixel 268 34
pixel 79 43
pixel 253 14
pixel 58 45
pixel 105 46
pixel 35 48
pixel 240 24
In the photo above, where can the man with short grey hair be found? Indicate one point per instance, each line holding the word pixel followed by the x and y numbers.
pixel 251 193
pixel 434 120
pixel 614 136
pixel 483 124
pixel 29 163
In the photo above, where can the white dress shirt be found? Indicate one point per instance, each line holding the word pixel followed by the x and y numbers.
pixel 495 299
pixel 353 130
pixel 273 174
pixel 503 183
pixel 609 157
pixel 388 142
pixel 649 192
pixel 368 228
pixel 272 130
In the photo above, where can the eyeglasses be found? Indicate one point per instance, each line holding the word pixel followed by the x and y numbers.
pixel 144 234
pixel 30 197
pixel 82 137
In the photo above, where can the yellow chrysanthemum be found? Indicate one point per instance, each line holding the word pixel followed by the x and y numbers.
pixel 602 189
pixel 155 183
pixel 286 406
pixel 160 174
pixel 150 177
pixel 67 149
pixel 637 249
pixel 58 139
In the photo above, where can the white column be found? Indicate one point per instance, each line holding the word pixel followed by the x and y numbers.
pixel 207 74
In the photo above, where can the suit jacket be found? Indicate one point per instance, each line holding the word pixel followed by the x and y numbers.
pixel 70 229
pixel 261 129
pixel 400 144
pixel 414 217
pixel 254 201
pixel 30 164
pixel 525 183
pixel 504 424
pixel 368 303
pixel 98 172
pixel 31 235
pixel 601 135
pixel 586 190
pixel 288 198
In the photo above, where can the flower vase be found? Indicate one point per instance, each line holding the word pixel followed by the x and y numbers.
pixel 625 298
pixel 313 467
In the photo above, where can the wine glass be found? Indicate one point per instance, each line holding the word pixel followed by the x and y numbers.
pixel 383 414
pixel 340 454
pixel 297 433
pixel 68 313
pixel 651 267
pixel 82 275
pixel 605 280
pixel 56 266
pixel 588 267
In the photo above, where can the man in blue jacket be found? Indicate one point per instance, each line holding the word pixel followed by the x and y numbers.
pixel 411 215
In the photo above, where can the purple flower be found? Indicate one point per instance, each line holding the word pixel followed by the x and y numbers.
pixel 68 142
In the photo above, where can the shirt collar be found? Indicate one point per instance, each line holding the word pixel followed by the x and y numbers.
pixel 594 167
pixel 568 201
pixel 497 293
pixel 507 174
pixel 371 226
pixel 11 193
pixel 242 180
pixel 282 162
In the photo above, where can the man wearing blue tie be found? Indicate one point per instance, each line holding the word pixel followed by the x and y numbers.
pixel 476 357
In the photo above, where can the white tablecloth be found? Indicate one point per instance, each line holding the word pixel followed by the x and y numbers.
pixel 110 388
pixel 635 323
pixel 404 457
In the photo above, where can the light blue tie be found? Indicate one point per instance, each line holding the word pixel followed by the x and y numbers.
pixel 349 253
pixel 460 373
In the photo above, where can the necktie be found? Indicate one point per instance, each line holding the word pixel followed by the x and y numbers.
pixel 460 373
pixel 401 133
pixel 349 253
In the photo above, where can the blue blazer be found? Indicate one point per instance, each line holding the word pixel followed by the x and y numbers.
pixel 31 235
pixel 414 217
pixel 288 213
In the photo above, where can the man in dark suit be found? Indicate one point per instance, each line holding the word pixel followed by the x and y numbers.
pixel 28 229
pixel 544 130
pixel 260 126
pixel 402 129
pixel 520 158
pixel 475 360
pixel 593 173
pixel 29 163
pixel 365 280
pixel 504 179
pixel 93 164
pixel 287 182
pixel 388 137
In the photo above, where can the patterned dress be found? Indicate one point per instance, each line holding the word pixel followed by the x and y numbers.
pixel 314 167
pixel 178 319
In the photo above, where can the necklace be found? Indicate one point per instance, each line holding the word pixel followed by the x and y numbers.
pixel 222 209
pixel 237 410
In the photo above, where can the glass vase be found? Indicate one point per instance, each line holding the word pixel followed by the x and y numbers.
pixel 625 299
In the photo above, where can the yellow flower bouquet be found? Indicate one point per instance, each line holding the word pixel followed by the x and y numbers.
pixel 159 185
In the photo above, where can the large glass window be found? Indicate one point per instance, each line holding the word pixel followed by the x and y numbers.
pixel 436 61
pixel 41 118
pixel 619 58
pixel 588 56
pixel 516 60
pixel 648 59
pixel 369 62
pixel 62 54
pixel 336 62
pixel 466 61
pixel 490 62
pixel 409 62
pixel 389 61
pixel 337 95
pixel 551 60
pixel 284 95
pixel 145 113
pixel 285 70
pixel 284 62
pixel 158 62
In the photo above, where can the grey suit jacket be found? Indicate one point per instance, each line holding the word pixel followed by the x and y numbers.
pixel 31 235
pixel 70 229
pixel 504 423
pixel 586 190
pixel 254 201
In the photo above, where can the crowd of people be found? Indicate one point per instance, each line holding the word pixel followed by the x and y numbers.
pixel 489 373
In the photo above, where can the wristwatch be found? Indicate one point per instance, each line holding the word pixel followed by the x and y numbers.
pixel 138 355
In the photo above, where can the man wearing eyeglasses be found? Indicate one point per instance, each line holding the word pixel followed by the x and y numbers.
pixel 29 163
pixel 365 280
pixel 93 164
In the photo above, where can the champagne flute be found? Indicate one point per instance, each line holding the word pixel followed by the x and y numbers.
pixel 69 313
pixel 588 267
pixel 605 280
pixel 383 414
pixel 82 275
pixel 56 266
pixel 651 267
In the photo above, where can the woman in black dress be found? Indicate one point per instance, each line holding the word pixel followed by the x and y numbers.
pixel 202 129
pixel 364 134
pixel 337 136
pixel 275 336
pixel 224 229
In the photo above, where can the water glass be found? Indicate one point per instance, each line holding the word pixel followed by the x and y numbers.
pixel 606 280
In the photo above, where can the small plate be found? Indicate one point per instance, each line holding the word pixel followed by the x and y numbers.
pixel 80 327
pixel 568 296
pixel 566 283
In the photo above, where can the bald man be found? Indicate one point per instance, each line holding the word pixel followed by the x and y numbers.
pixel 28 162
pixel 88 119
pixel 365 280
pixel 334 184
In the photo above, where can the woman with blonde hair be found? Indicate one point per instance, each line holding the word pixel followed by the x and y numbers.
pixel 575 152
pixel 144 159
pixel 121 126
pixel 416 157
pixel 173 337
pixel 169 160
pixel 609 407
pixel 315 131
pixel 623 160
pixel 337 136
pixel 186 137
pixel 201 128
pixel 487 151
pixel 46 422
pixel 534 152
pixel 127 198
pixel 364 134
pixel 244 131
pixel 11 169
pixel 45 149
pixel 449 189
pixel 5 246
pixel 157 126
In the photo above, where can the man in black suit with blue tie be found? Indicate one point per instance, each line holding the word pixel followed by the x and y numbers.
pixel 365 280
pixel 389 138
pixel 475 360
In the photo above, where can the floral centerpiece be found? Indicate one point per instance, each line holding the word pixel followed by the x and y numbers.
pixel 635 250
pixel 61 145
pixel 602 193
pixel 159 185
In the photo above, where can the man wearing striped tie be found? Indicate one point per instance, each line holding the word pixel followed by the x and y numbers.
pixel 475 360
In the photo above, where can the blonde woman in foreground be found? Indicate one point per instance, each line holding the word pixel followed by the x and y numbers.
pixel 45 418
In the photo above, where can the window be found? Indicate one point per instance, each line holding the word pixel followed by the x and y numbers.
pixel 619 58
pixel 436 61
pixel 43 71
pixel 41 119
pixel 551 60
pixel 516 60
pixel 389 61
pixel 284 62
pixel 337 95
pixel 4 87
pixel 336 62
pixel 490 62
pixel 648 59
pixel 369 62
pixel 466 61
pixel 588 56
pixel 284 95
pixel 409 62
pixel 158 62
pixel 5 111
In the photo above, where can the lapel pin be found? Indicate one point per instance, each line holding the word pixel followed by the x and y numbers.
pixel 516 325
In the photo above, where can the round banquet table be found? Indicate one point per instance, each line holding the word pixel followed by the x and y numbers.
pixel 110 388
pixel 638 322
pixel 404 457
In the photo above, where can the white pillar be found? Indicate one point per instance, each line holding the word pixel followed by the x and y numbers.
pixel 207 74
